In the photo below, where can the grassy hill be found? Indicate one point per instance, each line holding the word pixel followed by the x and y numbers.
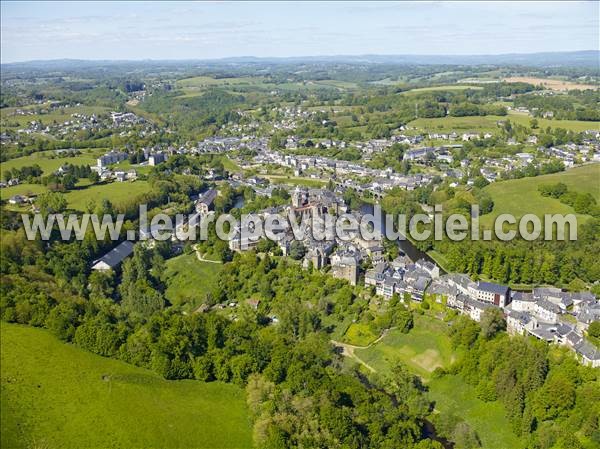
pixel 49 163
pixel 521 196
pixel 55 395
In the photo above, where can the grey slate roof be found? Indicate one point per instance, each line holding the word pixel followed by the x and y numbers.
pixel 208 197
pixel 493 288
pixel 116 255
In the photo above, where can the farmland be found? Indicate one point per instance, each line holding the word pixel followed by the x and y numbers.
pixel 447 88
pixel 552 84
pixel 521 196
pixel 49 161
pixel 116 192
pixel 10 120
pixel 56 395
pixel 488 123
pixel 78 199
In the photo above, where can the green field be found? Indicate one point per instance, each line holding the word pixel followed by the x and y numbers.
pixel 294 180
pixel 189 279
pixel 207 81
pixel 521 196
pixel 571 125
pixel 447 88
pixel 423 349
pixel 459 124
pixel 55 395
pixel 116 192
pixel 60 115
pixel 453 396
pixel 487 123
pixel 50 162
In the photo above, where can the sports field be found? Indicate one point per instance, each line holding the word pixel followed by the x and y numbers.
pixel 55 395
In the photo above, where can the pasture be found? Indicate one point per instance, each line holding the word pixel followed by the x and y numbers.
pixel 521 196
pixel 50 161
pixel 488 123
pixel 446 88
pixel 55 395
pixel 543 123
pixel 47 117
pixel 116 192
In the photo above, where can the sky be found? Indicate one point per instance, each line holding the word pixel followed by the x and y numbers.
pixel 218 29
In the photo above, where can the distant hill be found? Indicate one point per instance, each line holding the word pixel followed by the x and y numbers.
pixel 588 58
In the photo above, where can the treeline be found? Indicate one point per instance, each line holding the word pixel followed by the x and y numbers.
pixel 575 105
pixel 582 203
pixel 551 400
pixel 568 263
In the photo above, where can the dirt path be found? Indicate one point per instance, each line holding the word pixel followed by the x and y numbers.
pixel 348 350
pixel 201 259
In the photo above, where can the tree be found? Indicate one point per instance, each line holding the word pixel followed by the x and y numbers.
pixel 464 437
pixel 492 322
pixel 51 203
pixel 297 250
pixel 594 329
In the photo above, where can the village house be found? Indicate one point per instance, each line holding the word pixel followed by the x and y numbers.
pixel 114 257
pixel 206 202
pixel 345 265
pixel 497 294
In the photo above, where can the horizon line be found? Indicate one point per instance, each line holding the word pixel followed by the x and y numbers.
pixel 331 56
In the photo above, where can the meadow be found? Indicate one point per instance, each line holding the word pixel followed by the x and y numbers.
pixel 116 192
pixel 452 396
pixel 55 395
pixel 55 116
pixel 543 123
pixel 446 88
pixel 425 348
pixel 359 334
pixel 196 86
pixel 189 279
pixel 521 196
pixel 488 123
pixel 50 161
